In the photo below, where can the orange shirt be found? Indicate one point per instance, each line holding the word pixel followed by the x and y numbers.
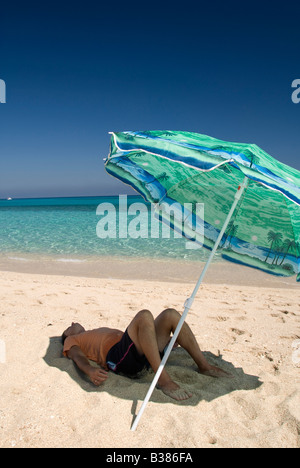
pixel 95 344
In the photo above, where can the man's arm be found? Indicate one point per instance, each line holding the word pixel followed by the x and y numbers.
pixel 95 374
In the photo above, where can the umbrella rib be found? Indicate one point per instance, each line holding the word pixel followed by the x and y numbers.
pixel 164 157
pixel 274 190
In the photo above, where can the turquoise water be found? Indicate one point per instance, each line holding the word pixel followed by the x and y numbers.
pixel 67 228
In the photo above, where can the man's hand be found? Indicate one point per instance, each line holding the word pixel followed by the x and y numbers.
pixel 97 376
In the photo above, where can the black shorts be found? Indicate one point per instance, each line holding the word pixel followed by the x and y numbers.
pixel 124 358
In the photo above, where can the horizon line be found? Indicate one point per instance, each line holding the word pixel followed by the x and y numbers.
pixel 73 196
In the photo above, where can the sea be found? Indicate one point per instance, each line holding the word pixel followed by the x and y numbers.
pixel 77 229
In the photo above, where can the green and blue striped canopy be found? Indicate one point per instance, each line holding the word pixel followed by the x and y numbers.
pixel 189 168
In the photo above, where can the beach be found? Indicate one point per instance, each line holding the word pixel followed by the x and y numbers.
pixel 140 148
pixel 246 322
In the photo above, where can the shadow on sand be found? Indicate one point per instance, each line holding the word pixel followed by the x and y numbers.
pixel 180 367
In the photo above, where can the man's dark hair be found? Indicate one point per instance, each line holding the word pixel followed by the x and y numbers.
pixel 63 338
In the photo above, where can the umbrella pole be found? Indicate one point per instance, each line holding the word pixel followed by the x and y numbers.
pixel 189 302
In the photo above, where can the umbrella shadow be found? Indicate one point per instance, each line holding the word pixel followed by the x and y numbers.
pixel 180 367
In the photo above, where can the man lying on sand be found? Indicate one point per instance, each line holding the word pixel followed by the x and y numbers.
pixel 141 345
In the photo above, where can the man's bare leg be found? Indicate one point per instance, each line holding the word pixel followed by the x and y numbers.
pixel 143 333
pixel 166 323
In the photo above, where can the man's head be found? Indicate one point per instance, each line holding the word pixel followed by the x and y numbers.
pixel 74 329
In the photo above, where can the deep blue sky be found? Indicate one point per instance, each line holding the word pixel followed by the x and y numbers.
pixel 75 71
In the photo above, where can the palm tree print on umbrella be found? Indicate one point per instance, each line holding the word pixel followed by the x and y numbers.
pixel 288 244
pixel 232 231
pixel 161 178
pixel 274 238
pixel 280 249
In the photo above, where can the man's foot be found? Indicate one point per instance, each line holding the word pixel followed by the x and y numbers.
pixel 215 372
pixel 174 391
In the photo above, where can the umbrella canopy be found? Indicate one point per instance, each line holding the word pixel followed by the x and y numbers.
pixel 183 167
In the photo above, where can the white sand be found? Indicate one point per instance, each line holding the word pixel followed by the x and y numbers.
pixel 248 330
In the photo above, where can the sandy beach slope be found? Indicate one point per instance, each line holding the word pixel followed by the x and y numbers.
pixel 250 331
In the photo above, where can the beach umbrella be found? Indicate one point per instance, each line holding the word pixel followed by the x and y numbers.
pixel 251 201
